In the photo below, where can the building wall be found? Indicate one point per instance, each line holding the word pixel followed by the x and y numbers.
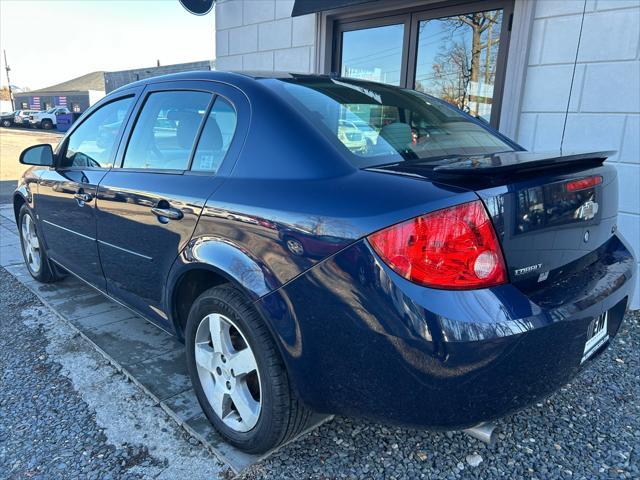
pixel 82 99
pixel 600 101
pixel 261 35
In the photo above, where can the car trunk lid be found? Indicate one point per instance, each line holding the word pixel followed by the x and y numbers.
pixel 545 213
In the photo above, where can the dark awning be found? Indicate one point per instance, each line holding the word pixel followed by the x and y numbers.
pixel 302 7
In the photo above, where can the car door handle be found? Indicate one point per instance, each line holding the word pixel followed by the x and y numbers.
pixel 167 213
pixel 83 198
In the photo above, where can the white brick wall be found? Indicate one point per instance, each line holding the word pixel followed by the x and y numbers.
pixel 601 101
pixel 261 35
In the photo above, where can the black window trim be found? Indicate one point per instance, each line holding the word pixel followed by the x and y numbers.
pixel 411 17
pixel 62 151
pixel 199 135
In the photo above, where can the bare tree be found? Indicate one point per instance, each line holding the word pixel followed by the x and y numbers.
pixel 458 71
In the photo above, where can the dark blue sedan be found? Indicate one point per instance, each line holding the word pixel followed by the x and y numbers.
pixel 333 245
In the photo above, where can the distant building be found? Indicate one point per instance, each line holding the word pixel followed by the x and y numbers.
pixel 77 94
pixel 114 80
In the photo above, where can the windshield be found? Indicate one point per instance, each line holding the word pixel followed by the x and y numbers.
pixel 51 110
pixel 380 124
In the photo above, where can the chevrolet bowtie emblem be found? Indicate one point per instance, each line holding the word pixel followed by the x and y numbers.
pixel 587 210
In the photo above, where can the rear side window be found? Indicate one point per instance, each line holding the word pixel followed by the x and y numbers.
pixel 166 129
pixel 216 137
pixel 93 143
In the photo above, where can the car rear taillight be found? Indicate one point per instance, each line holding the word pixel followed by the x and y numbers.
pixel 583 183
pixel 452 248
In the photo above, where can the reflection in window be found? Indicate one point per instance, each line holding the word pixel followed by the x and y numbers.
pixel 166 129
pixel 384 124
pixel 457 58
pixel 92 144
pixel 216 137
pixel 373 54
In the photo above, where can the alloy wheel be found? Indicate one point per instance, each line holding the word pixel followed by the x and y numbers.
pixel 31 244
pixel 228 372
pixel 295 247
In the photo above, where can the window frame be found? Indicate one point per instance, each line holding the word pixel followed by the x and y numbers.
pixel 411 18
pixel 189 171
pixel 61 151
pixel 144 99
pixel 215 89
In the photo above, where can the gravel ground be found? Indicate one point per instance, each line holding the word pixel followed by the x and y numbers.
pixel 66 413
pixel 589 429
pixel 50 427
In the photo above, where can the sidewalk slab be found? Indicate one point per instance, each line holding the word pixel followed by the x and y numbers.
pixel 150 357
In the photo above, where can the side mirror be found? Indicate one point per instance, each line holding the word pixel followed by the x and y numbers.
pixel 41 155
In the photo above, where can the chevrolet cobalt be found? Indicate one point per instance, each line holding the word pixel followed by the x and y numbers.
pixel 435 275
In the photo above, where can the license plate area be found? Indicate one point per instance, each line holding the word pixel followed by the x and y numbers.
pixel 597 335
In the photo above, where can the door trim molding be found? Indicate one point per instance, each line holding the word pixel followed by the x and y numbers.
pixel 125 250
pixel 68 230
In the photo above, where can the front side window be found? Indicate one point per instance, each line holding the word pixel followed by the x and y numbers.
pixel 216 137
pixel 382 124
pixel 166 129
pixel 93 143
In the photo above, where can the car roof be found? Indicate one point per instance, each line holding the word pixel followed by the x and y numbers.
pixel 239 79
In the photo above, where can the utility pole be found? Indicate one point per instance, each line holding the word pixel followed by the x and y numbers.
pixel 6 66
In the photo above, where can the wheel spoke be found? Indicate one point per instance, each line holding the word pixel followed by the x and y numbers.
pixel 217 400
pixel 247 407
pixel 242 362
pixel 219 331
pixel 205 357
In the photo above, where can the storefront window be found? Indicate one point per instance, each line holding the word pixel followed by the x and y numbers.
pixel 457 59
pixel 456 52
pixel 373 54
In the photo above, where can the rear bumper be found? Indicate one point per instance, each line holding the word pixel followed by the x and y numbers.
pixel 359 340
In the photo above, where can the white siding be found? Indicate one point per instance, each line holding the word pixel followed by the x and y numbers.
pixel 261 35
pixel 601 100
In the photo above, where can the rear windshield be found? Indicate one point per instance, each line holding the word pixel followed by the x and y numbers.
pixel 380 124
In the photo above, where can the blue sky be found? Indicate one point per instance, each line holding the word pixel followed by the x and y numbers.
pixel 50 41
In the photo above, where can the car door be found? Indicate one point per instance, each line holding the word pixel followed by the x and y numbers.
pixel 66 193
pixel 148 207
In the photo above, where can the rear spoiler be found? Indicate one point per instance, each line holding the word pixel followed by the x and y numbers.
pixel 519 162
pixel 490 169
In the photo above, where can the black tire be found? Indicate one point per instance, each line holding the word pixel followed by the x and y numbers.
pixel 282 416
pixel 6 123
pixel 46 124
pixel 46 273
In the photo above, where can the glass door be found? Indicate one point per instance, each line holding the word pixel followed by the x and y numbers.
pixel 456 53
pixel 457 60
pixel 380 65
